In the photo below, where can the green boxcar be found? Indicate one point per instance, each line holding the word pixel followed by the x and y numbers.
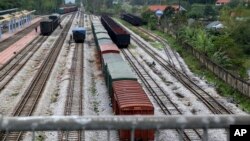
pixel 100 30
pixel 101 36
pixel 110 58
pixel 117 71
pixel 103 41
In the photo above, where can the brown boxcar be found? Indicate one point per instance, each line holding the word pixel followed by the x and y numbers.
pixel 131 99
pixel 117 33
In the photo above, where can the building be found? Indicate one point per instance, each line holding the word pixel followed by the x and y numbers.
pixel 154 8
pixel 221 2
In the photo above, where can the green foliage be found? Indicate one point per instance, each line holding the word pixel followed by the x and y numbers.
pixel 241 34
pixel 187 34
pixel 222 59
pixel 169 13
pixel 203 42
pixel 8 4
pixel 221 87
pixel 150 18
pixel 202 11
pixel 196 11
pixel 146 15
pixel 222 49
pixel 42 6
pixel 233 3
pixel 210 12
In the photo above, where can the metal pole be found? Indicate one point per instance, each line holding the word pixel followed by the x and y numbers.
pixel 9 26
pixel 0 31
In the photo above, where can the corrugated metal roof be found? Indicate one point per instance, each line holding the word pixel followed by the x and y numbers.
pixel 102 35
pixel 8 17
pixel 120 71
pixel 104 41
pixel 111 57
pixel 100 29
pixel 223 1
pixel 130 94
pixel 157 7
pixel 109 48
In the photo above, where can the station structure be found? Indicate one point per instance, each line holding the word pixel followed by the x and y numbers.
pixel 15 20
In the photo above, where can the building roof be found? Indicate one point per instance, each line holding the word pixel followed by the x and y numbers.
pixel 176 7
pixel 154 8
pixel 157 7
pixel 223 1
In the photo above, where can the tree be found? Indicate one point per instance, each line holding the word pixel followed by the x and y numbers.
pixel 203 42
pixel 241 34
pixel 210 12
pixel 197 11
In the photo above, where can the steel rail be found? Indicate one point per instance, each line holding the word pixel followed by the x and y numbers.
pixel 207 99
pixel 165 103
pixel 28 102
pixel 12 67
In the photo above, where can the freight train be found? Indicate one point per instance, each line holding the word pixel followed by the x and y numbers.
pixel 64 10
pixel 132 19
pixel 47 26
pixel 127 95
pixel 118 34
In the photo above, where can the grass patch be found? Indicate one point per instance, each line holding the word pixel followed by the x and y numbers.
pixel 14 94
pixel 94 93
pixel 157 45
pixel 53 98
pixel 93 89
pixel 247 62
pixel 196 67
pixel 132 46
pixel 96 105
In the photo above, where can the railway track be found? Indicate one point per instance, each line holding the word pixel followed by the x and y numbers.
pixel 212 104
pixel 30 99
pixel 11 40
pixel 11 68
pixel 172 55
pixel 167 106
pixel 74 101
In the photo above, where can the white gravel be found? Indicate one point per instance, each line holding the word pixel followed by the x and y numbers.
pixel 54 95
pixel 15 89
pixel 96 98
pixel 189 102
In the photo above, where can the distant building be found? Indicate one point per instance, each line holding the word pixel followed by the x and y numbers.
pixel 215 25
pixel 222 2
pixel 69 1
pixel 154 8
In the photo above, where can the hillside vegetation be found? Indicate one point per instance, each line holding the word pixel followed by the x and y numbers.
pixel 41 6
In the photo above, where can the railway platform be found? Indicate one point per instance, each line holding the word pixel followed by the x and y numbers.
pixel 9 34
pixel 7 54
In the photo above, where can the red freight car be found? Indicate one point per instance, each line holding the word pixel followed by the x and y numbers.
pixel 131 99
pixel 108 48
